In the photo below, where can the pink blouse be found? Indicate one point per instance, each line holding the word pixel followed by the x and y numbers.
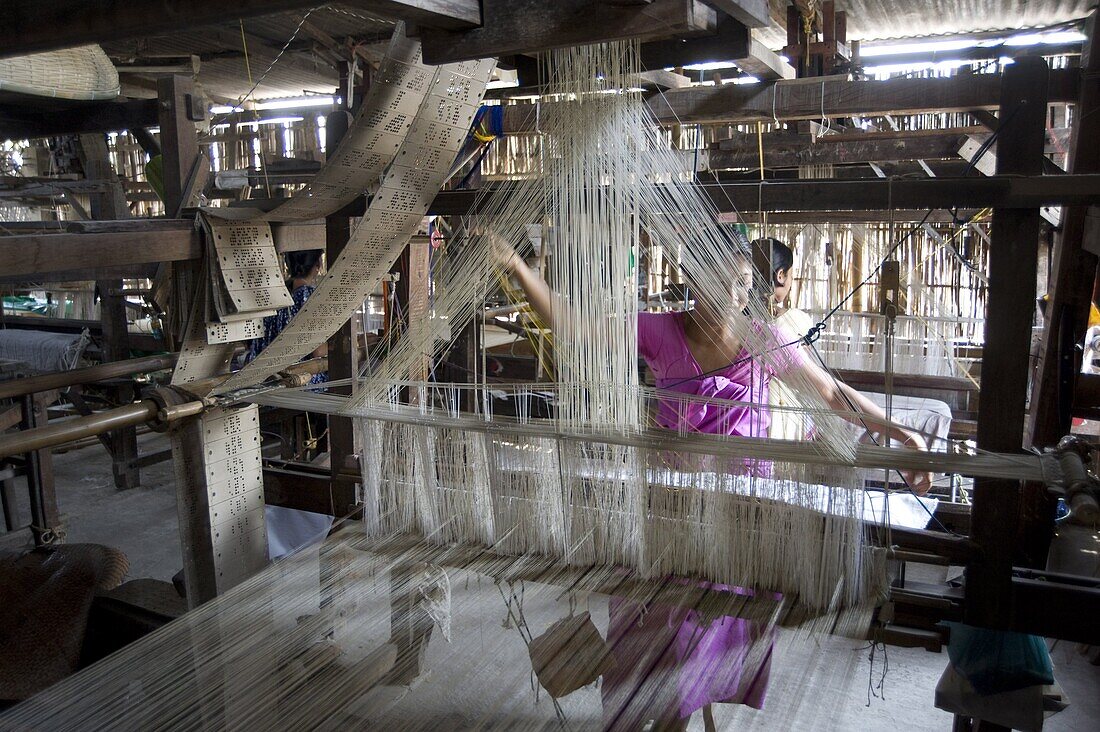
pixel 663 344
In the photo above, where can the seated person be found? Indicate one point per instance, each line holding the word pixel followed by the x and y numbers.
pixel 672 662
pixel 304 267
pixel 930 417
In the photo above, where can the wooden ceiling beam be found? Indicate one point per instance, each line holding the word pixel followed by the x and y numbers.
pixel 788 151
pixel 730 39
pixel 801 100
pixel 30 26
pixel 877 194
pixel 526 26
pixel 17 124
pixel 751 13
pixel 453 15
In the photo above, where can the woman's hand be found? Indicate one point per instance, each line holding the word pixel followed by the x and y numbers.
pixel 502 253
pixel 919 481
pixel 541 299
pixel 855 408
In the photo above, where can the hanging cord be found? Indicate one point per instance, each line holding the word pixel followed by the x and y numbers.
pixel 255 114
pixel 826 123
pixel 247 95
pixel 878 690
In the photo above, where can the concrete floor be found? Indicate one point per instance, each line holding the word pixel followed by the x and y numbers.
pixel 142 523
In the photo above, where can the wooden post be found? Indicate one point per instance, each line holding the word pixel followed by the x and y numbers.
pixel 1072 274
pixel 178 143
pixel 795 48
pixel 828 37
pixel 8 501
pixel 1006 354
pixel 112 205
pixel 1070 288
pixel 179 149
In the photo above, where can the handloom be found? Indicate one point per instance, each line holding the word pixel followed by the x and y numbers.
pixel 590 500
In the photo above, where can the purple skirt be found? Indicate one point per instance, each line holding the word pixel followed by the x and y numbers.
pixel 671 661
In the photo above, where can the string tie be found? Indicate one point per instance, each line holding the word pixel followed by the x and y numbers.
pixel 813 334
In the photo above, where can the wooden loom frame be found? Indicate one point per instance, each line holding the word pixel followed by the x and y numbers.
pixel 997 593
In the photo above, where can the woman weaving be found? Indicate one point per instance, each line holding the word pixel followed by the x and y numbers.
pixel 676 662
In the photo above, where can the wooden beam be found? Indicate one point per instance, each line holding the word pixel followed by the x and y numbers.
pixel 873 194
pixel 764 63
pixel 81 117
pixel 525 26
pixel 1010 311
pixel 1004 191
pixel 30 26
pixel 792 153
pixel 1056 606
pixel 898 169
pixel 452 15
pixel 299 489
pixel 788 151
pixel 130 246
pixel 801 99
pixel 912 216
pixel 751 13
pixel 1057 138
pixel 178 139
pixel 659 79
pixel 729 40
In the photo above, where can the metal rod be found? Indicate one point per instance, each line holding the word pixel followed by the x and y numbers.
pixel 19 443
pixel 59 433
pixel 62 379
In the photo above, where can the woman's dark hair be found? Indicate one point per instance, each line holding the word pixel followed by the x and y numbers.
pixel 300 264
pixel 772 254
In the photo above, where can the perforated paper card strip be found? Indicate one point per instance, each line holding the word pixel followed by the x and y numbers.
pixel 395 212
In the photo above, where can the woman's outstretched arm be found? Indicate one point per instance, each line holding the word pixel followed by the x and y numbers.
pixel 543 300
pixel 862 412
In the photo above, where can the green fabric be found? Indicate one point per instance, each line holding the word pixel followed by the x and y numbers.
pixel 154 174
pixel 24 304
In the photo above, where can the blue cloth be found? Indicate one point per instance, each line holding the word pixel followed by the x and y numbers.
pixel 274 325
pixel 289 529
pixel 995 661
